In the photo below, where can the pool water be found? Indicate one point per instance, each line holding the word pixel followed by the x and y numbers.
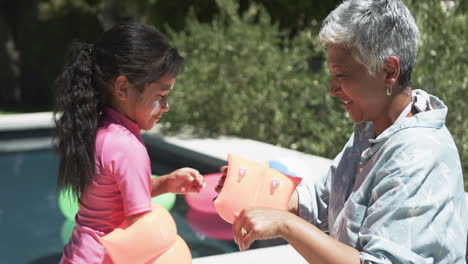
pixel 29 219
pixel 33 230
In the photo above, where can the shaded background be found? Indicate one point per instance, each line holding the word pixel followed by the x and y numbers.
pixel 254 68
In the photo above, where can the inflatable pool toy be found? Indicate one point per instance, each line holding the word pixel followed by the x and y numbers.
pixel 203 201
pixel 151 239
pixel 167 199
pixel 209 225
pixel 279 166
pixel 253 184
pixel 178 253
pixel 68 204
pixel 67 230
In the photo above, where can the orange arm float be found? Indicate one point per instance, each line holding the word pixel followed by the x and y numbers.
pixel 253 184
pixel 151 239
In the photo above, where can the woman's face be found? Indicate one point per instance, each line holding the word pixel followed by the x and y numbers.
pixel 362 95
pixel 149 106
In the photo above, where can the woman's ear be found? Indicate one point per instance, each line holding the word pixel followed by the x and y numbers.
pixel 392 70
pixel 121 88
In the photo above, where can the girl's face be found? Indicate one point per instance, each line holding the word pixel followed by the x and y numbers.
pixel 147 107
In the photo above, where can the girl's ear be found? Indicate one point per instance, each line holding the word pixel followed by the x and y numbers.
pixel 392 70
pixel 121 88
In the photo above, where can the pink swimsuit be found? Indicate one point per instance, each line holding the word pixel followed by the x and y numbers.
pixel 121 187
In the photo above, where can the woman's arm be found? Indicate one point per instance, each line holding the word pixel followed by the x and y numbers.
pixel 312 243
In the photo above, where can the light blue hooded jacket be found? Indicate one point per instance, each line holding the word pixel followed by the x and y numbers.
pixel 397 198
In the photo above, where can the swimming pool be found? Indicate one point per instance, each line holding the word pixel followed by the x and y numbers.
pixel 32 228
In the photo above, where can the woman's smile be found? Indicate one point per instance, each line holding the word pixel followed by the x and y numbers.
pixel 347 104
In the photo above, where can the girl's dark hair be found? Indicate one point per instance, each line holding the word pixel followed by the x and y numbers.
pixel 133 50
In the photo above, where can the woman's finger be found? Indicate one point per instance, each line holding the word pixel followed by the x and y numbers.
pixel 237 219
pixel 220 185
pixel 237 226
pixel 234 224
pixel 248 239
pixel 222 180
pixel 247 229
pixel 223 169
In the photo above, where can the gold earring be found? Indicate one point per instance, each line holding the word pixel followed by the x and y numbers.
pixel 389 90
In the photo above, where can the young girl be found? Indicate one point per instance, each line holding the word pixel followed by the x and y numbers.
pixel 107 93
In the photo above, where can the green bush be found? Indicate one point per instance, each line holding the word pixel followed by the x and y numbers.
pixel 245 77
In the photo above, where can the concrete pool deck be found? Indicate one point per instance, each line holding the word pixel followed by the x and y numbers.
pixel 271 255
pixel 11 123
pixel 301 164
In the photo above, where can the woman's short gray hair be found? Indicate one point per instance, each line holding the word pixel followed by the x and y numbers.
pixel 374 30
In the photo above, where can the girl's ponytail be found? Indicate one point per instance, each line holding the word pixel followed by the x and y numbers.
pixel 76 116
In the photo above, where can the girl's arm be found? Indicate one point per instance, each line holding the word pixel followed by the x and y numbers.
pixel 158 185
pixel 179 181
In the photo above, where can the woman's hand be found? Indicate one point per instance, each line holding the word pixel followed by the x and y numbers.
pixel 258 223
pixel 220 185
pixel 183 181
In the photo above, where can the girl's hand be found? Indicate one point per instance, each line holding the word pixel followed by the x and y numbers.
pixel 258 223
pixel 220 185
pixel 184 180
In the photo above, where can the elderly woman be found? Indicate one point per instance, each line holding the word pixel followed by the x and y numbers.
pixel 395 192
